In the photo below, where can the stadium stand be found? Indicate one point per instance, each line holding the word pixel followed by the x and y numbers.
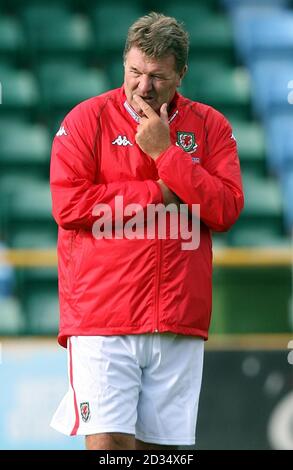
pixel 210 30
pixel 28 152
pixel 287 191
pixel 235 4
pixel 12 38
pixel 42 309
pixel 12 321
pixel 20 92
pixel 53 31
pixel 270 79
pixel 251 145
pixel 65 85
pixel 263 33
pixel 279 142
pixel 109 40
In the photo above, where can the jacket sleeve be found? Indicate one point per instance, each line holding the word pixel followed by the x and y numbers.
pixel 73 171
pixel 216 183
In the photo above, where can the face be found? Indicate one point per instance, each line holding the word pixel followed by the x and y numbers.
pixel 155 80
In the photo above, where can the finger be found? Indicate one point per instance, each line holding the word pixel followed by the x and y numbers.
pixel 142 120
pixel 164 113
pixel 146 108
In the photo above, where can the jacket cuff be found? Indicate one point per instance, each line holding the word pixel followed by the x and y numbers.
pixel 164 159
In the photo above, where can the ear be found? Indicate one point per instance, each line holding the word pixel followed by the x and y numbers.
pixel 182 74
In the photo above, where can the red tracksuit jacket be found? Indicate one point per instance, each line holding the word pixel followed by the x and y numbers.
pixel 122 286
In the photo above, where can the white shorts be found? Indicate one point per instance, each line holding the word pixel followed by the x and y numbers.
pixel 147 385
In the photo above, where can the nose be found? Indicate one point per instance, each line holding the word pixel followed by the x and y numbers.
pixel 145 84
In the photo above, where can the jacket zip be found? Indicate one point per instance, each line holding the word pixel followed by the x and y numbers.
pixel 158 279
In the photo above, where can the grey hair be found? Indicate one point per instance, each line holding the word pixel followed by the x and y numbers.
pixel 158 36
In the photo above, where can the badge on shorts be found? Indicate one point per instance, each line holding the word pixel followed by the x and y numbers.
pixel 85 411
pixel 186 140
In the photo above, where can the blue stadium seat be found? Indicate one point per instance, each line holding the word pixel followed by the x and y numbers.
pixel 279 142
pixel 270 79
pixel 234 4
pixel 287 193
pixel 272 37
pixel 262 30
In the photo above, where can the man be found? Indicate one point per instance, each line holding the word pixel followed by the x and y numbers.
pixel 136 311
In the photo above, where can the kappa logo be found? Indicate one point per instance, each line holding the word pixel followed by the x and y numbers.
pixel 61 131
pixel 186 140
pixel 122 140
pixel 85 411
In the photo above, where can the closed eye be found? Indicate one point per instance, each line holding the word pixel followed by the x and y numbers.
pixel 159 77
pixel 135 72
